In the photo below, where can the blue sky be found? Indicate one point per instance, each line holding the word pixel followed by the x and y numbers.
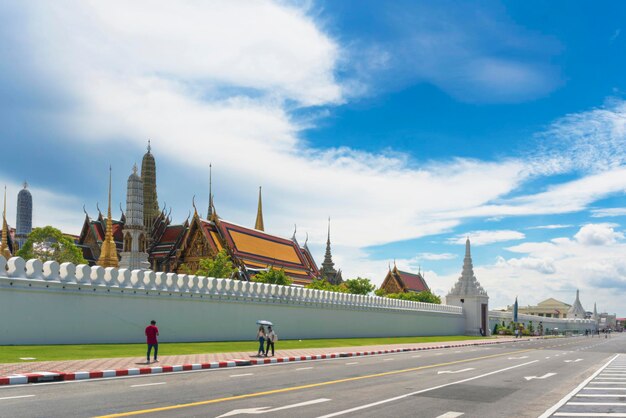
pixel 412 124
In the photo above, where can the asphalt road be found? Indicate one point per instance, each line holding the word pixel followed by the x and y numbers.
pixel 521 379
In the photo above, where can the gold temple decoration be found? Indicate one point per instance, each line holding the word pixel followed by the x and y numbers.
pixel 259 214
pixel 108 251
pixel 4 244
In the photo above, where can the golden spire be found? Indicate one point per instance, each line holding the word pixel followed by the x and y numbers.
pixel 4 244
pixel 259 214
pixel 108 251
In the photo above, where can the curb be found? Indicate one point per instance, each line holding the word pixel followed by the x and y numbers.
pixel 55 376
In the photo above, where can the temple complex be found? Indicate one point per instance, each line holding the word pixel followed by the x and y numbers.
pixel 398 281
pixel 134 255
pixel 180 247
pixel 24 218
pixel 5 246
pixel 108 251
pixel 328 271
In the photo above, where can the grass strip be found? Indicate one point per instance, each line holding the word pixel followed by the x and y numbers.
pixel 14 353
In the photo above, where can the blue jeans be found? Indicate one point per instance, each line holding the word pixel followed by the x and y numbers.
pixel 261 343
pixel 156 350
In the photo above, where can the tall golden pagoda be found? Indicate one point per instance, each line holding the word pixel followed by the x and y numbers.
pixel 4 244
pixel 108 251
pixel 259 215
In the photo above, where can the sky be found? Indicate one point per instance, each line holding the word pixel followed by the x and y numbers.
pixel 411 124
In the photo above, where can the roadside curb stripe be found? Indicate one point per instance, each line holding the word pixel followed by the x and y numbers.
pixel 56 376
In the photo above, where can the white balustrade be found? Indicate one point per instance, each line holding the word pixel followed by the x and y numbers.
pixel 51 271
pixel 110 277
pixel 34 269
pixel 97 276
pixel 136 279
pixel 68 273
pixel 124 278
pixel 83 274
pixel 16 267
pixel 170 282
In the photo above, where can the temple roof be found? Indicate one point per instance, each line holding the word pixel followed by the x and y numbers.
pixel 412 282
pixel 259 250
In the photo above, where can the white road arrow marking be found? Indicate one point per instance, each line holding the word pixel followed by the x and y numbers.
pixel 545 376
pixel 517 358
pixel 574 361
pixel 266 409
pixel 451 414
pixel 454 371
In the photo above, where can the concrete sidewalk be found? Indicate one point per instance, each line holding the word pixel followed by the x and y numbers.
pixel 72 366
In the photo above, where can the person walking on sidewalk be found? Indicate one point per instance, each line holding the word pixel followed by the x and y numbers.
pixel 271 339
pixel 152 332
pixel 261 337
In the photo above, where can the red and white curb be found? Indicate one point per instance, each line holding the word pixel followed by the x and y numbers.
pixel 53 376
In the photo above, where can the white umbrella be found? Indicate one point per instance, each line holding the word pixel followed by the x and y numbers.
pixel 264 322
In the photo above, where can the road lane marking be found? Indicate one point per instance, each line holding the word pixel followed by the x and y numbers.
pixel 148 384
pixel 605 389
pixel 416 356
pixel 266 409
pixel 577 389
pixel 241 375
pixel 407 395
pixel 592 414
pixel 388 359
pixel 451 414
pixel 607 383
pixel 517 358
pixel 573 361
pixel 455 371
pixel 583 395
pixel 351 363
pixel 16 397
pixel 304 368
pixel 545 376
pixel 314 385
pixel 596 403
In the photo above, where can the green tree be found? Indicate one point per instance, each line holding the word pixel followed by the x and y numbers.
pixel 49 244
pixel 272 276
pixel 220 266
pixel 424 296
pixel 380 292
pixel 359 286
pixel 323 284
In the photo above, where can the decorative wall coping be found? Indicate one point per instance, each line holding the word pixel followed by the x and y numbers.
pixel 509 315
pixel 70 276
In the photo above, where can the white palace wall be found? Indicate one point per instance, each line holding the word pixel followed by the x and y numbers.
pixel 66 304
pixel 558 325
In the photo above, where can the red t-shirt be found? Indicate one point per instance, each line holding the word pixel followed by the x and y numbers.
pixel 151 333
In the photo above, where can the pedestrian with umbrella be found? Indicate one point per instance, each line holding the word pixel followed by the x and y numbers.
pixel 261 336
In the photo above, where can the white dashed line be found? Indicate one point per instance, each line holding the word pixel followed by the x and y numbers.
pixel 148 384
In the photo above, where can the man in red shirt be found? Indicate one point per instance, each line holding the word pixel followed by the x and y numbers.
pixel 151 335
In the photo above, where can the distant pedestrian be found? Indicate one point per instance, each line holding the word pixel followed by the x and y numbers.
pixel 516 333
pixel 271 339
pixel 152 332
pixel 261 337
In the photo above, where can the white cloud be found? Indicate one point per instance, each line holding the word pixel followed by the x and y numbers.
pixel 608 212
pixel 598 234
pixel 552 226
pixel 589 140
pixel 487 237
pixel 558 267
